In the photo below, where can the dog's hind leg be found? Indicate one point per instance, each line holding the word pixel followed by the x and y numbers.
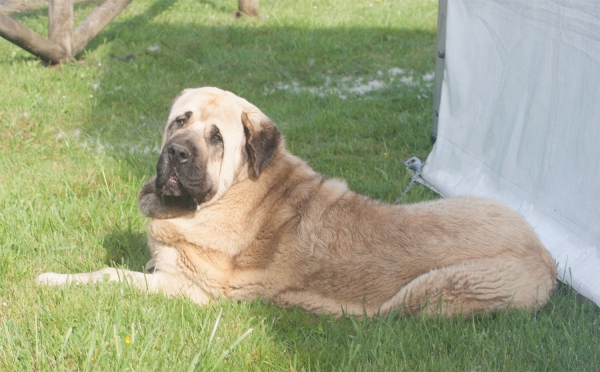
pixel 475 286
pixel 156 282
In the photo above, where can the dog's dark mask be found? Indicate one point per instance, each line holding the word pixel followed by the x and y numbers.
pixel 181 174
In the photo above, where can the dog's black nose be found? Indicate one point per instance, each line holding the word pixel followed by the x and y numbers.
pixel 178 153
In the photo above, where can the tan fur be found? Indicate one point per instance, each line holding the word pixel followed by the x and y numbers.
pixel 281 232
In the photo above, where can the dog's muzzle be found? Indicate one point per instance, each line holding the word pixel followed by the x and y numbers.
pixel 180 172
pixel 170 167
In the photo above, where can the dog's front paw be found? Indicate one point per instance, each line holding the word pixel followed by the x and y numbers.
pixel 53 279
pixel 154 204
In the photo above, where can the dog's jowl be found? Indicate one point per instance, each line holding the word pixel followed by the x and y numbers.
pixel 235 215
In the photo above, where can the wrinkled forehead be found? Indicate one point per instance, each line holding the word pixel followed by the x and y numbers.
pixel 208 103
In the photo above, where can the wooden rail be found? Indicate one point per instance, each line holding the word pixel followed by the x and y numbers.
pixel 63 42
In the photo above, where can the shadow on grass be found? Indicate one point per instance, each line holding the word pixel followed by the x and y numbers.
pixel 126 248
pixel 506 338
pixel 341 137
pixel 147 60
pixel 38 9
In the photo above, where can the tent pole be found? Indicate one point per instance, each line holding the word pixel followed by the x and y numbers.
pixel 439 66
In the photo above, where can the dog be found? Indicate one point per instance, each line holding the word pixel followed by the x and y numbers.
pixel 235 215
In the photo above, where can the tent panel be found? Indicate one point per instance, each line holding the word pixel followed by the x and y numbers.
pixel 520 121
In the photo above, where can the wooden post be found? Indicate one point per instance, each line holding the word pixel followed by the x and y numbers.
pixel 60 24
pixel 63 43
pixel 29 40
pixel 95 22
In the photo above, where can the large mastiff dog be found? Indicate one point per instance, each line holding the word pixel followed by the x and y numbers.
pixel 235 215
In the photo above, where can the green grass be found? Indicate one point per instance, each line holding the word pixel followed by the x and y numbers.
pixel 78 141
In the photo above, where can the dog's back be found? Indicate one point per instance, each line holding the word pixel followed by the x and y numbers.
pixel 344 252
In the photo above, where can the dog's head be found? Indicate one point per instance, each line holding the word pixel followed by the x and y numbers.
pixel 212 140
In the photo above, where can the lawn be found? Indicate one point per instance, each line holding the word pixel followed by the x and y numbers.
pixel 349 83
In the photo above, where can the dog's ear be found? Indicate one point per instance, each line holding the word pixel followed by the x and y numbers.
pixel 262 140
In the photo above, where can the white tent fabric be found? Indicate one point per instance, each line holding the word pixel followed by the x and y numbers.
pixel 520 121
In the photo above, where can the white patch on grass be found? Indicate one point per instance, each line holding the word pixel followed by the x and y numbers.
pixel 368 87
pixel 60 135
pixel 408 80
pixel 138 149
pixel 428 77
pixel 346 86
pixel 130 144
pixel 394 71
pixel 153 48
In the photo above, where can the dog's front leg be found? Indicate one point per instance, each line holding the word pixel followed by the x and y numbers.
pixel 140 280
pixel 157 282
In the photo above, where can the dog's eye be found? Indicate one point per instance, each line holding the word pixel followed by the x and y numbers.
pixel 215 136
pixel 182 119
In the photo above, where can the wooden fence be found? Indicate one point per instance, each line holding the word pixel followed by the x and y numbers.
pixel 63 42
